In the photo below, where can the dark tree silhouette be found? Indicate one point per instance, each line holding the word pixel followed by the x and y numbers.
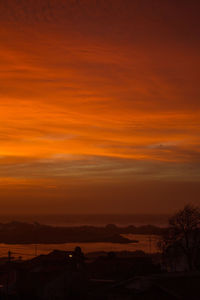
pixel 183 236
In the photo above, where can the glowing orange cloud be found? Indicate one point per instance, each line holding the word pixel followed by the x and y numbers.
pixel 97 95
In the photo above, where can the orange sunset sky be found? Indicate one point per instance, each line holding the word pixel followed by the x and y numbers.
pixel 99 106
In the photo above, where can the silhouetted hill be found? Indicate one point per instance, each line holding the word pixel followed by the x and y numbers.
pixel 25 233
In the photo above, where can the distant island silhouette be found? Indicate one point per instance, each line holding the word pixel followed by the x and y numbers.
pixel 30 233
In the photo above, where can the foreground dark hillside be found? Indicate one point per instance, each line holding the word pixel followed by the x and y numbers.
pixel 71 275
